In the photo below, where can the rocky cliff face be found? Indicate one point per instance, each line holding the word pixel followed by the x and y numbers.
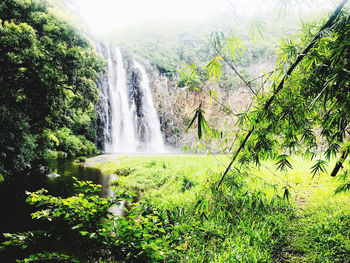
pixel 102 106
pixel 176 107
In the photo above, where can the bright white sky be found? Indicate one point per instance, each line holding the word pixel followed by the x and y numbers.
pixel 102 15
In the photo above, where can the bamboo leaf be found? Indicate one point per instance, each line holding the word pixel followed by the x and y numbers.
pixel 206 129
pixel 320 166
pixel 199 125
pixel 214 68
pixel 286 194
pixel 190 72
pixel 342 188
pixel 283 162
pixel 213 93
pixel 192 121
pixel 257 28
pixel 234 43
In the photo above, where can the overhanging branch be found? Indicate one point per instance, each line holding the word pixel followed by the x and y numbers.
pixel 318 35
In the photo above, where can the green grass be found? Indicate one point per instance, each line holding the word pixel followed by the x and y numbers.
pixel 107 167
pixel 177 179
pixel 321 230
pixel 244 223
pixel 1 178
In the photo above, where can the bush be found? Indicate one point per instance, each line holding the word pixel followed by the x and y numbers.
pixel 84 221
pixel 50 154
pixel 74 145
pixel 17 145
pixel 124 171
pixel 64 143
pixel 49 139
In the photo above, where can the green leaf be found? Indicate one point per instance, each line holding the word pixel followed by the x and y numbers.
pixel 320 166
pixel 84 233
pixel 206 129
pixel 192 121
pixel 199 128
pixel 257 28
pixel 216 38
pixel 283 162
pixel 190 72
pixel 342 188
pixel 234 43
pixel 286 193
pixel 214 68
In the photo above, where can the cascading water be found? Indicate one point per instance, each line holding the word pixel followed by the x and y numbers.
pixel 127 113
pixel 123 128
pixel 153 139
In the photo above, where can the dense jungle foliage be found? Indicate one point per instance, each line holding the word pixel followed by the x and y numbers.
pixel 48 74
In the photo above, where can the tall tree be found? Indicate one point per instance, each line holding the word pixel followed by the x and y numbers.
pixel 47 70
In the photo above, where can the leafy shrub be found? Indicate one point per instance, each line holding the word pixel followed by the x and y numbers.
pixel 84 221
pixel 187 184
pixel 74 145
pixel 43 59
pixel 177 131
pixel 63 143
pixel 49 139
pixel 50 154
pixel 151 164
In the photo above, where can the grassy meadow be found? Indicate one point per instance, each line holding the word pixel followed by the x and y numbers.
pixel 251 218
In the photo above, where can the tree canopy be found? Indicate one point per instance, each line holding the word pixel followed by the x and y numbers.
pixel 48 74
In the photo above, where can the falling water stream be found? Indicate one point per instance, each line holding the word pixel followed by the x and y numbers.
pixel 123 127
pixel 128 128
pixel 153 137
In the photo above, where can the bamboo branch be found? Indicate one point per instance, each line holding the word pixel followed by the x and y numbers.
pixel 340 162
pixel 281 84
pixel 233 68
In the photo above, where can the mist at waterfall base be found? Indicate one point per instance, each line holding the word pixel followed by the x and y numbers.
pixel 128 121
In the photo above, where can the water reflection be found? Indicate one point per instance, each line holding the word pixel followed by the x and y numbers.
pixel 15 213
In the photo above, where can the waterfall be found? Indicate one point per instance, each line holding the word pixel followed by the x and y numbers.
pixel 126 110
pixel 153 139
pixel 123 128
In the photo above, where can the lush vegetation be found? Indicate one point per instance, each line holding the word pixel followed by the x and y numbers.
pixel 178 216
pixel 304 111
pixel 185 208
pixel 82 229
pixel 47 77
pixel 252 218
